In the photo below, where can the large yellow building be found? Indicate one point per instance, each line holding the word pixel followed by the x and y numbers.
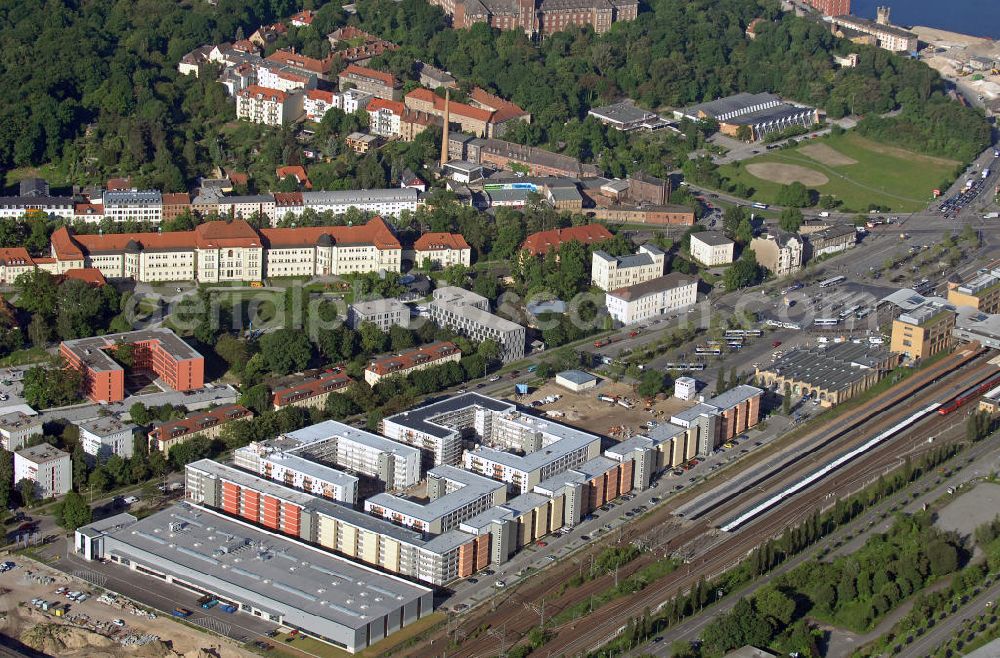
pixel 923 331
pixel 981 293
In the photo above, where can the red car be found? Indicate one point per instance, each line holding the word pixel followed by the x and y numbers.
pixel 541 544
pixel 633 334
pixel 776 343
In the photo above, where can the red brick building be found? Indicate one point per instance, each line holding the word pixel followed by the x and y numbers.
pixel 156 351
pixel 831 7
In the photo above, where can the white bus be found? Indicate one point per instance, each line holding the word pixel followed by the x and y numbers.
pixel 759 205
pixel 826 322
pixel 744 333
pixel 715 351
pixel 832 281
pixel 847 312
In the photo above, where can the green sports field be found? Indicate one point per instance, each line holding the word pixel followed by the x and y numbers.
pixel 855 170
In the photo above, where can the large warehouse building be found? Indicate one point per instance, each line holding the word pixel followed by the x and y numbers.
pixel 259 573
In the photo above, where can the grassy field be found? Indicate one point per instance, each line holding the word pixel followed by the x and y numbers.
pixel 857 171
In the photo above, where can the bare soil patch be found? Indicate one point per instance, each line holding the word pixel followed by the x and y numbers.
pixel 827 155
pixel 786 174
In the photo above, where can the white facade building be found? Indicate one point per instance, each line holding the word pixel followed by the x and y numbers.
pixel 383 313
pixel 17 427
pixel 134 205
pixel 271 107
pixel 711 248
pixel 103 437
pixel 468 314
pixel 652 298
pixel 48 467
pixel 685 388
pixel 613 272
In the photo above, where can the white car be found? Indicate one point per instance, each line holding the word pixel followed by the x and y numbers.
pixel 495 378
pixel 118 622
pixel 500 583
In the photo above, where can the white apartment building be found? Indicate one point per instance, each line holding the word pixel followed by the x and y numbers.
pixel 352 100
pixel 655 297
pixel 385 117
pixel 103 437
pixel 15 207
pixel 48 467
pixel 383 313
pixel 441 250
pixel 317 102
pixel 468 314
pixel 389 201
pixel 270 107
pixel 609 272
pixel 419 358
pixel 712 248
pixel 134 205
pixel 395 465
pixel 281 78
pixel 245 207
pixel 17 427
pixel 455 496
pixel 779 252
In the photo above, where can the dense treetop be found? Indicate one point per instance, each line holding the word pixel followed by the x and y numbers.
pixel 97 90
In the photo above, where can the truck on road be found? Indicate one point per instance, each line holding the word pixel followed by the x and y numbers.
pixel 991 215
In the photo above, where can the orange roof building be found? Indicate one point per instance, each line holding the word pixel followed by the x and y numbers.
pixel 87 275
pixel 297 172
pixel 486 117
pixel 401 365
pixel 224 251
pixel 312 391
pixel 307 65
pixel 14 261
pixel 165 436
pixel 539 244
pixel 442 250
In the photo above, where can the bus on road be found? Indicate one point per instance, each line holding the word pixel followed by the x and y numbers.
pixel 826 322
pixel 832 281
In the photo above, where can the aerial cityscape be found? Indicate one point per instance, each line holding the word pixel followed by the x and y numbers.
pixel 500 328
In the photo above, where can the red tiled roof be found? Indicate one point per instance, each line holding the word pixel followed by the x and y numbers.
pixel 237 177
pixel 454 107
pixel 200 422
pixel 272 94
pixel 503 110
pixel 90 275
pixel 433 241
pixel 287 199
pixel 310 64
pixel 326 382
pixel 118 184
pixel 365 72
pixel 540 243
pixel 305 16
pixel 88 209
pixel 245 45
pixel 15 256
pixel 406 360
pixel 297 172
pixel 237 233
pixel 64 246
pixel 177 199
pixel 396 107
pixel 320 95
pixel 376 232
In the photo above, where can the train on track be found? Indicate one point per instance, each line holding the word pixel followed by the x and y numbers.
pixel 742 519
pixel 969 394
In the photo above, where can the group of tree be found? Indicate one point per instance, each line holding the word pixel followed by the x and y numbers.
pixel 852 591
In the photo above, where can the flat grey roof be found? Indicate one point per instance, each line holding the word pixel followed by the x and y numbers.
pixel 91 350
pixel 654 286
pixel 736 395
pixel 735 103
pixel 508 195
pixel 630 260
pixel 313 469
pixel 42 452
pixel 562 440
pixel 577 376
pixel 834 367
pixel 473 487
pixel 128 197
pixel 422 418
pixel 712 238
pixel 18 420
pixel 237 558
pixel 330 429
pixel 104 526
pixel 622 112
pixel 692 414
pixel 106 425
pixel 390 305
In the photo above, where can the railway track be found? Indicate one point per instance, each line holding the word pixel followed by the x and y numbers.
pixel 509 620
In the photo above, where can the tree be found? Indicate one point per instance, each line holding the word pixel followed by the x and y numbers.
pixel 775 604
pixel 285 351
pixel 79 462
pixel 257 398
pixel 46 387
pixel 744 133
pixel 400 338
pixel 743 273
pixel 373 339
pixel 6 477
pixel 652 383
pixel 339 407
pixel 26 489
pixel 233 351
pixel 139 414
pixel 942 557
pixel 732 219
pixel 795 195
pixel 74 512
pixel 37 292
pixel 790 220
pixel 39 330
